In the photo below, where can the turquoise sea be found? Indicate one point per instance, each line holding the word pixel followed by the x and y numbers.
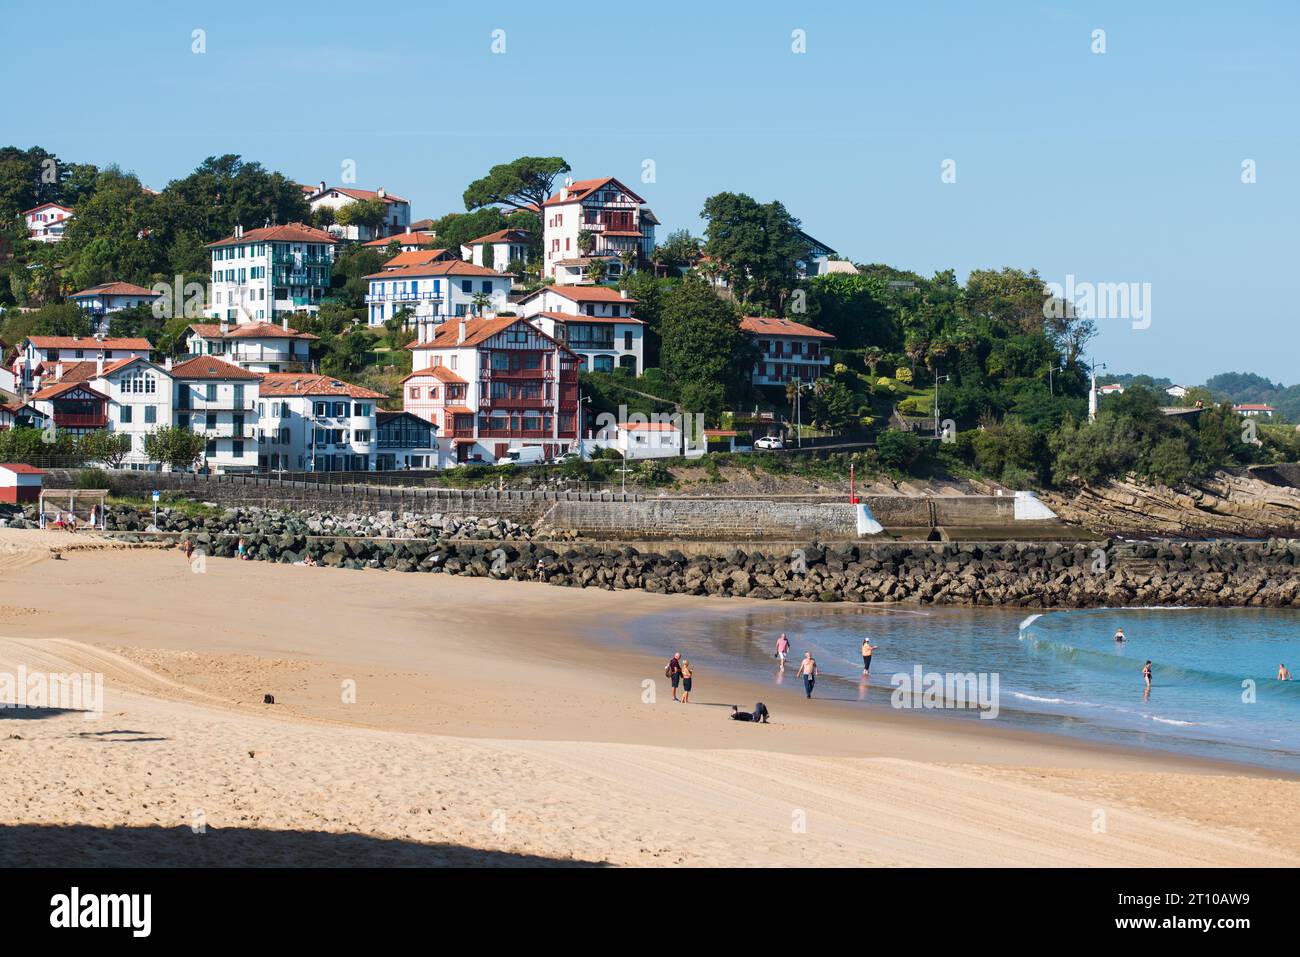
pixel 1214 688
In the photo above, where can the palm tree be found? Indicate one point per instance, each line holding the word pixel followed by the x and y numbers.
pixel 480 302
pixel 586 241
pixel 596 271
pixel 872 356
pixel 628 259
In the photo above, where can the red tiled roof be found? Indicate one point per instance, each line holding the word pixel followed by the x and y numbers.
pixel 582 188
pixel 450 267
pixel 210 367
pixel 577 317
pixel 774 326
pixel 21 468
pixel 403 239
pixel 36 209
pixel 585 294
pixel 419 257
pixel 58 388
pixel 362 194
pixel 438 372
pixel 647 426
pixel 1254 407
pixel 501 236
pixel 476 331
pixel 248 330
pixel 88 342
pixel 458 409
pixel 290 233
pixel 309 383
pixel 114 289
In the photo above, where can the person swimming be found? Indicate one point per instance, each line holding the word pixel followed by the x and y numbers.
pixel 1119 637
pixel 1283 674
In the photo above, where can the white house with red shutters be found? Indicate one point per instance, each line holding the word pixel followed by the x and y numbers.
pixel 596 322
pixel 616 217
pixel 494 384
pixel 436 292
pixel 38 357
pixel 46 222
pixel 788 350
pixel 397 211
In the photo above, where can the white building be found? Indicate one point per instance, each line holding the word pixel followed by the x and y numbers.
pixel 219 400
pixel 316 423
pixel 140 397
pixel 107 298
pixel 615 216
pixel 491 385
pixel 596 322
pixel 38 356
pixel 397 211
pixel 1254 409
pixel 1177 391
pixel 256 346
pixel 46 222
pixel 788 350
pixel 502 250
pixel 641 440
pixel 258 275
pixel 436 292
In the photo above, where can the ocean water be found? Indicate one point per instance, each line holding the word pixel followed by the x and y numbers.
pixel 1214 690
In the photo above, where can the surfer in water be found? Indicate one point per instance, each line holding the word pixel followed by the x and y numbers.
pixel 1119 637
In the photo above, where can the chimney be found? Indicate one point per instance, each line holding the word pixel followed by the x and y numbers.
pixel 564 192
pixel 322 186
pixel 380 193
pixel 58 371
pixel 99 364
pixel 622 294
pixel 167 363
pixel 225 324
pixel 408 230
pixel 284 322
pixel 460 332
pixel 239 231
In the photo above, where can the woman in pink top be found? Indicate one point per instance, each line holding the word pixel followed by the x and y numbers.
pixel 782 648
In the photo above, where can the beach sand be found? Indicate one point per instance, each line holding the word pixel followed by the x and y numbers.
pixel 430 719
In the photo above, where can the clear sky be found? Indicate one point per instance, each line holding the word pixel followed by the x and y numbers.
pixel 1122 166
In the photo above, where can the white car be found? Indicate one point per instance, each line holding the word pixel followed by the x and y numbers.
pixel 770 442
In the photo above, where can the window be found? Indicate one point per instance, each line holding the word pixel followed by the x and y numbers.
pixel 467 285
pixel 322 409
pixel 415 392
pixel 340 409
pixel 125 416
pixel 150 414
pixel 363 435
pixel 237 448
pixel 210 420
pixel 487 286
pixel 210 392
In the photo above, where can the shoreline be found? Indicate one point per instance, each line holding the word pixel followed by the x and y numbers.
pixel 504 682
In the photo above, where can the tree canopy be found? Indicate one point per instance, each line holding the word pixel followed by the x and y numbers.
pixel 526 181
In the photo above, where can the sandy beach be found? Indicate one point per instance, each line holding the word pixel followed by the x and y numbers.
pixel 431 719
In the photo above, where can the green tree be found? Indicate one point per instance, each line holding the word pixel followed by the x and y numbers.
pixel 174 446
pixel 104 446
pixel 362 213
pixel 520 183
pixel 702 340
pixel 759 246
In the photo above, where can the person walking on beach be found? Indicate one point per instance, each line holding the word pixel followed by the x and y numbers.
pixel 1283 674
pixel 686 681
pixel 867 650
pixel 782 649
pixel 807 671
pixel 673 672
pixel 1146 673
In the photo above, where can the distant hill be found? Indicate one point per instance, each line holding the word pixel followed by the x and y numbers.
pixel 1248 387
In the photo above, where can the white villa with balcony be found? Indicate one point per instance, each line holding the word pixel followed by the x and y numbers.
pixel 219 400
pixel 787 350
pixel 615 216
pixel 499 250
pixel 46 222
pixel 397 211
pixel 316 423
pixel 101 301
pixel 255 346
pixel 436 292
pixel 259 275
pixel 596 322
pixel 139 397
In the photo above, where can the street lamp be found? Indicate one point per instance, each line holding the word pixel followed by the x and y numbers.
pixel 1092 391
pixel 937 380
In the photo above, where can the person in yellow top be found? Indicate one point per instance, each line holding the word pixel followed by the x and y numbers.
pixel 867 650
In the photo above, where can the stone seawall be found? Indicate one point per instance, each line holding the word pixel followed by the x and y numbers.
pixel 1037 575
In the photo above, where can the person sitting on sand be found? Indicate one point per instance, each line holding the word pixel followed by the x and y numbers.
pixel 242 551
pixel 309 561
pixel 1283 674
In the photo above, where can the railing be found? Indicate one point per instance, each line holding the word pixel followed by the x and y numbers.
pixel 289 259
pixel 606 345
pixel 404 297
pixel 517 374
pixel 226 432
pixel 216 405
pixel 506 402
pixel 66 420
pixel 300 279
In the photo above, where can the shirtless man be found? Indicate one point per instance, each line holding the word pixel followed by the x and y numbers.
pixel 1119 637
pixel 1283 674
pixel 807 671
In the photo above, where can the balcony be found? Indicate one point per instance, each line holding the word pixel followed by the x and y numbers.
pixel 517 374
pixel 289 259
pixel 591 345
pixel 505 402
pixel 226 431
pixel 404 297
pixel 200 406
pixel 313 280
pixel 80 420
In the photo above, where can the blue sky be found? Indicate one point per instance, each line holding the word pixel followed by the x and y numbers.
pixel 1117 167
